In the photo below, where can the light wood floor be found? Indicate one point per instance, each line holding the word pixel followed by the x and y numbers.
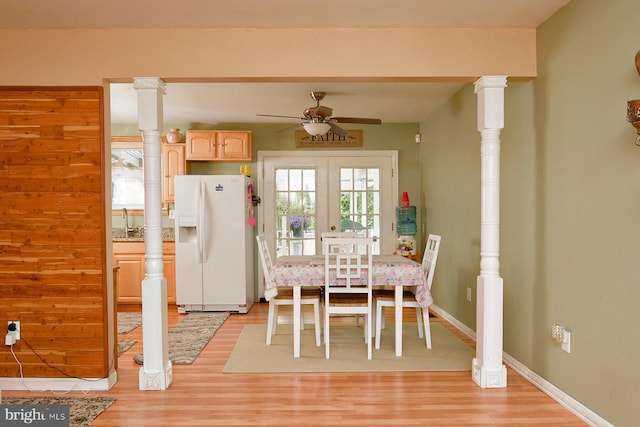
pixel 201 395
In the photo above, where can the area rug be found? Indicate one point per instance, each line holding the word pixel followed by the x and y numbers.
pixel 348 351
pixel 128 321
pixel 188 337
pixel 124 345
pixel 82 410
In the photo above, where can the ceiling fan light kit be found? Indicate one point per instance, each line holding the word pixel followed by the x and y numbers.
pixel 316 129
pixel 318 120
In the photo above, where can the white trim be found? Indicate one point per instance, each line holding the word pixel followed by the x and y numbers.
pixel 453 321
pixel 581 411
pixel 59 384
pixel 577 408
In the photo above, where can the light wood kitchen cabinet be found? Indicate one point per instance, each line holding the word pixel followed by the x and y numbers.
pixel 216 145
pixel 129 257
pixel 173 163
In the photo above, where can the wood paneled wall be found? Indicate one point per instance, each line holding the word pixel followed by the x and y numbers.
pixel 52 236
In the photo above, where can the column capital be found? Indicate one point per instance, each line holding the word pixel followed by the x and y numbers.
pixel 150 91
pixel 485 82
pixel 490 91
pixel 150 83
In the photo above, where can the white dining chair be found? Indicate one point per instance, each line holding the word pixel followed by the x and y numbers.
pixel 346 292
pixel 309 295
pixel 347 234
pixel 386 298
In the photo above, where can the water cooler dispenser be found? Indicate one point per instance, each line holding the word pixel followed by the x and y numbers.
pixel 406 228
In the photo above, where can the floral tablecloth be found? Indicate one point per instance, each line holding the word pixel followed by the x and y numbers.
pixel 388 270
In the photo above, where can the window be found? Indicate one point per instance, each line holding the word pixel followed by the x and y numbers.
pixel 127 173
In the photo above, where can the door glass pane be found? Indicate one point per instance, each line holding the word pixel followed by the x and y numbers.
pixel 295 211
pixel 360 202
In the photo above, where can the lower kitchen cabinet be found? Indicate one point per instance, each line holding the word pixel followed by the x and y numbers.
pixel 129 256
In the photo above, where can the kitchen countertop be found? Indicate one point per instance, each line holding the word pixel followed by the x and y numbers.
pixel 137 235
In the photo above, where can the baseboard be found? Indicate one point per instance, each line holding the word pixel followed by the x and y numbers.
pixel 577 408
pixel 454 322
pixel 59 384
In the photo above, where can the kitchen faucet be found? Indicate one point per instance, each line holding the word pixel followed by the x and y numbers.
pixel 125 215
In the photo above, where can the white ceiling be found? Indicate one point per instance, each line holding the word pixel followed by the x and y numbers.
pixel 240 102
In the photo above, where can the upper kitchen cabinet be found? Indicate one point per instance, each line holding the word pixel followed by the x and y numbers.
pixel 173 163
pixel 216 145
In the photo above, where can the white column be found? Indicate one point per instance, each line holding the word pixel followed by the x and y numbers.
pixel 487 368
pixel 156 373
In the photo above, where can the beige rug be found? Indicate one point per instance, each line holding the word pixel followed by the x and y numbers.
pixel 124 345
pixel 348 351
pixel 128 321
pixel 189 336
pixel 82 410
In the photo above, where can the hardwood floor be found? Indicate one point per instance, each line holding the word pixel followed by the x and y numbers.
pixel 201 395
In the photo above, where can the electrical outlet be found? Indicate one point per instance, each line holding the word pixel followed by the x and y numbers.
pixel 469 294
pixel 16 331
pixel 566 341
pixel 557 333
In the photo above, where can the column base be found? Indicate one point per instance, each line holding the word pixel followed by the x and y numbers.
pixel 489 378
pixel 156 380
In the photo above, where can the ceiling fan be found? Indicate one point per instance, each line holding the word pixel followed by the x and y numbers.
pixel 318 120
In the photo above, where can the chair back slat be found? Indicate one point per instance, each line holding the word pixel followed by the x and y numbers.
pixel 345 260
pixel 333 234
pixel 430 257
pixel 265 256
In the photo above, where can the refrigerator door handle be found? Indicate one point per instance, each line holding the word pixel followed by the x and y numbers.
pixel 200 231
pixel 203 220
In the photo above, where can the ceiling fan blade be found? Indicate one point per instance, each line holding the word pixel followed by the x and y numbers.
pixel 284 117
pixel 337 129
pixel 357 120
pixel 288 128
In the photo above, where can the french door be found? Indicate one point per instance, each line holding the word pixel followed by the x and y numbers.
pixel 305 193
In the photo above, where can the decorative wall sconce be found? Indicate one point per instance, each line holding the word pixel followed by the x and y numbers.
pixel 633 116
pixel 633 106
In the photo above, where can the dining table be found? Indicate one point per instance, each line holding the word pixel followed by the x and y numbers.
pixel 388 271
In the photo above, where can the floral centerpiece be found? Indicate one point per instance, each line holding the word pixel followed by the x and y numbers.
pixel 297 224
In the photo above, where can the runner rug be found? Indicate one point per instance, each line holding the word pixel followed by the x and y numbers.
pixel 128 321
pixel 348 351
pixel 189 336
pixel 82 410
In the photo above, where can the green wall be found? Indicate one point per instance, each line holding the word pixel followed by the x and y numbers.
pixel 569 202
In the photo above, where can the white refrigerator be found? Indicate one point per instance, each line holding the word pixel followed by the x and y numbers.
pixel 214 243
